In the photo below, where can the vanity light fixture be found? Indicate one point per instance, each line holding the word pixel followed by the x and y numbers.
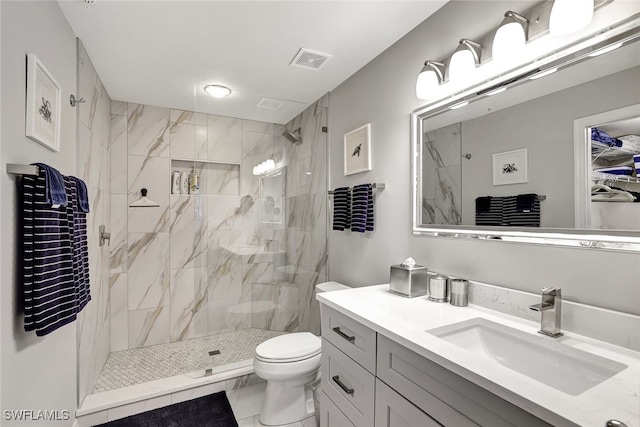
pixel 264 167
pixel 606 49
pixel 544 73
pixel 217 91
pixel 510 37
pixel 431 76
pixel 569 16
pixel 459 105
pixel 464 60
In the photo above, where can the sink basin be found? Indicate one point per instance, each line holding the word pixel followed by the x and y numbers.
pixel 557 365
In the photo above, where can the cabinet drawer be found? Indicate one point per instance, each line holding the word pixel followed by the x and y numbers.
pixel 330 415
pixel 448 398
pixel 354 339
pixel 348 385
pixel 393 410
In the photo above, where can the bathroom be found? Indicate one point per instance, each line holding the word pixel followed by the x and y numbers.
pixel 53 373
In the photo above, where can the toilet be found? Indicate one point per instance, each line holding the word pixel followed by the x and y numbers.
pixel 291 366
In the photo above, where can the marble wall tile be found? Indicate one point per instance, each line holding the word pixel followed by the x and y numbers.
pixel 182 140
pixel 222 179
pixel 201 303
pixel 153 174
pixel 283 312
pixel 224 213
pixel 201 231
pixel 182 302
pixel 148 131
pixel 224 274
pixel 181 116
pixel 224 139
pixel 149 327
pixel 118 153
pixel 448 201
pixel 119 108
pixel 253 126
pixel 201 143
pixel 118 245
pixel 92 166
pixel 118 312
pixel 227 315
pixel 182 232
pixel 148 270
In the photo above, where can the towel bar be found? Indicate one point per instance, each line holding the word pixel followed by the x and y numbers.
pixel 16 169
pixel 375 186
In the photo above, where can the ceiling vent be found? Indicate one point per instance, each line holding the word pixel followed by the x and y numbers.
pixel 269 104
pixel 310 59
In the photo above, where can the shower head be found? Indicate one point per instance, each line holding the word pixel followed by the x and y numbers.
pixel 293 136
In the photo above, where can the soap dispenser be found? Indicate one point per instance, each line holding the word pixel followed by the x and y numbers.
pixel 194 182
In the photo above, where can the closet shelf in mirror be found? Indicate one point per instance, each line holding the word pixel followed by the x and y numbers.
pixel 606 152
pixel 606 177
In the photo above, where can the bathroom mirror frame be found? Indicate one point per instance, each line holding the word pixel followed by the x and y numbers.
pixel 626 32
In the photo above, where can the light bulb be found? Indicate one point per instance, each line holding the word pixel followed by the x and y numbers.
pixel 508 42
pixel 569 16
pixel 426 84
pixel 461 66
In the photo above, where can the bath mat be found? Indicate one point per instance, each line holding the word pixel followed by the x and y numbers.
pixel 213 410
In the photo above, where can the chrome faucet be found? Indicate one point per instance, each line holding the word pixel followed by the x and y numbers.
pixel 551 311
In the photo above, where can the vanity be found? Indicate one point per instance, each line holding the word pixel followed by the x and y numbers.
pixel 394 361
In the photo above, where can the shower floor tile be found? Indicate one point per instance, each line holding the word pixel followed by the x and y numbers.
pixel 139 365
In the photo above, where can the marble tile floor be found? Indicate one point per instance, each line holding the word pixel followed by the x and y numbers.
pixel 140 365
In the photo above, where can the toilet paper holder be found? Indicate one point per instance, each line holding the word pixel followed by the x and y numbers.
pixel 104 236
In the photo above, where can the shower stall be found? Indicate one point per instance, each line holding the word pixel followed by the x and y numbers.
pixel 195 284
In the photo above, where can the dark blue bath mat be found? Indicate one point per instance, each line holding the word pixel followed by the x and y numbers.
pixel 208 411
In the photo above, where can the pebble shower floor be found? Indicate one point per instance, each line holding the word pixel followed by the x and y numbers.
pixel 139 365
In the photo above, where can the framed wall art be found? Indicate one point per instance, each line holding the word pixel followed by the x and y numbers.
pixel 43 105
pixel 357 150
pixel 510 167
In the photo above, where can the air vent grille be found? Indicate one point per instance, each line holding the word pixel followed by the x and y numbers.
pixel 269 104
pixel 310 59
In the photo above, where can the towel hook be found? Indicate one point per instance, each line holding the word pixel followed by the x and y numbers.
pixel 73 101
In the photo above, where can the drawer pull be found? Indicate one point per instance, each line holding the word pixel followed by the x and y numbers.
pixel 349 338
pixel 336 379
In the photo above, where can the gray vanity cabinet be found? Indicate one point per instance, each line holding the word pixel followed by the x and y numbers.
pixel 371 380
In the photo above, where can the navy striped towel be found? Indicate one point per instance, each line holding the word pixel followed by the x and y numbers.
pixel 341 208
pixel 362 208
pixel 83 194
pixel 489 210
pixel 55 193
pixel 55 273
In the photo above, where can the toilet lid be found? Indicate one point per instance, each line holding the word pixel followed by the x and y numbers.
pixel 289 347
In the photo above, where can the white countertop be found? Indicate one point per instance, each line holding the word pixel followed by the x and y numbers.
pixel 405 320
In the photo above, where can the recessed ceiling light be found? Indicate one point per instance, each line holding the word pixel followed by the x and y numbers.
pixel 217 91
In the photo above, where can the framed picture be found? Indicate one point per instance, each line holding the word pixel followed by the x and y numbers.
pixel 357 150
pixel 43 105
pixel 510 167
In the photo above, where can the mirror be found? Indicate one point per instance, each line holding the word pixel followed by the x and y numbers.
pixel 526 150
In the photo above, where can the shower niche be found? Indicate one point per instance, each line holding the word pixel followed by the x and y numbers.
pixel 271 209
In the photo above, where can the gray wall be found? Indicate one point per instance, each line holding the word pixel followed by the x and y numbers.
pixel 383 94
pixel 37 372
pixel 545 126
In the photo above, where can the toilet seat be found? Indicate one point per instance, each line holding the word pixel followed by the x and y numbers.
pixel 289 348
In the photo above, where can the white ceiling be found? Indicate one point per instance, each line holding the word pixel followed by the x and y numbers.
pixel 163 52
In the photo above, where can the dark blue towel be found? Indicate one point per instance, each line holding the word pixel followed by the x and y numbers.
pixel 55 193
pixel 341 208
pixel 83 194
pixel 603 137
pixel 362 208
